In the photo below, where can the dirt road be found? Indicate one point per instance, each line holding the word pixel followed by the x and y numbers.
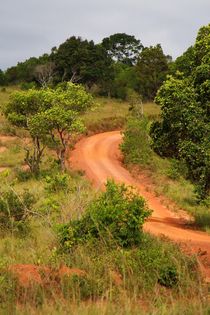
pixel 99 156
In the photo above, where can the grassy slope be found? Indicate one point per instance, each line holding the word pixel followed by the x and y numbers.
pixel 39 247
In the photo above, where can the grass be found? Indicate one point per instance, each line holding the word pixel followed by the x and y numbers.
pixel 139 291
pixel 111 114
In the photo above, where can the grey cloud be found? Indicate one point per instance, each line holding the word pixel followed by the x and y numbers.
pixel 32 27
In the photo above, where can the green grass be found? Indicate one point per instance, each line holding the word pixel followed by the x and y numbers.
pixel 111 114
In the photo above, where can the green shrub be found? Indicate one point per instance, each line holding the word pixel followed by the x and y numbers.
pixel 168 276
pixel 14 209
pixel 27 86
pixel 136 146
pixel 117 214
pixel 57 182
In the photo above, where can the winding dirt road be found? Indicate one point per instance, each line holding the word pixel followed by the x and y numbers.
pixel 99 156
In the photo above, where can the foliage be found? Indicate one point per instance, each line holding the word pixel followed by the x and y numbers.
pixel 24 71
pixel 81 61
pixel 3 80
pixel 136 146
pixel 117 214
pixel 48 115
pixel 184 132
pixel 125 79
pixel 183 64
pixel 151 68
pixel 15 208
pixel 123 48
pixel 57 182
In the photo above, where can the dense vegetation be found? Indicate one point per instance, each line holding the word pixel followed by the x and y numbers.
pixel 184 131
pixel 86 252
pixel 113 67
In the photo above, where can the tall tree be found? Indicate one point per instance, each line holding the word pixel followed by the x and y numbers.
pixel 81 61
pixel 184 131
pixel 152 68
pixel 3 79
pixel 123 48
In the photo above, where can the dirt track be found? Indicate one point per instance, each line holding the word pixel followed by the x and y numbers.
pixel 100 158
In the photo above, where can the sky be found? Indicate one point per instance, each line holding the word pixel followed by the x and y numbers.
pixel 32 27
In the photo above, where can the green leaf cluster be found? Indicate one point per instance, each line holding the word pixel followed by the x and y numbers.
pixel 117 215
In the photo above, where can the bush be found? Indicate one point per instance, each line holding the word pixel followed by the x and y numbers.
pixel 117 214
pixel 27 86
pixel 14 209
pixel 57 182
pixel 168 276
pixel 136 146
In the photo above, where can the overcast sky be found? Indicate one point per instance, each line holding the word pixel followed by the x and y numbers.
pixel 32 27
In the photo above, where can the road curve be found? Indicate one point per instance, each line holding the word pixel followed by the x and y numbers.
pixel 99 156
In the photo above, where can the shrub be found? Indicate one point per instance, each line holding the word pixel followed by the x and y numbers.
pixel 117 214
pixel 14 209
pixel 27 86
pixel 168 276
pixel 57 182
pixel 136 146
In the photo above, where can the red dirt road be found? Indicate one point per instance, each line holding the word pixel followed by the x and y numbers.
pixel 99 156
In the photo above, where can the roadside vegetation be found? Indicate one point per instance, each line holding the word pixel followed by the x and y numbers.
pixel 65 248
pixel 175 148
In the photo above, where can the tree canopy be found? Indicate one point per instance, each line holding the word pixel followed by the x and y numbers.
pixel 123 48
pixel 50 116
pixel 152 67
pixel 184 131
pixel 79 60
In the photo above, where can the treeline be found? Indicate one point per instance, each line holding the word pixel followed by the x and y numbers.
pixel 115 67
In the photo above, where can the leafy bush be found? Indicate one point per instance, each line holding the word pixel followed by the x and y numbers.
pixel 136 146
pixel 168 276
pixel 117 214
pixel 57 182
pixel 27 86
pixel 14 208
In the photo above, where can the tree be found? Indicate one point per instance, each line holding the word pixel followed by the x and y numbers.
pixel 58 124
pixel 49 116
pixel 183 132
pixel 125 79
pixel 81 61
pixel 123 48
pixel 24 71
pixel 44 73
pixel 184 63
pixel 3 79
pixel 152 68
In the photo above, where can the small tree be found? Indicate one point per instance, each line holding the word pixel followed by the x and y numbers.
pixel 58 124
pixel 44 73
pixel 48 115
